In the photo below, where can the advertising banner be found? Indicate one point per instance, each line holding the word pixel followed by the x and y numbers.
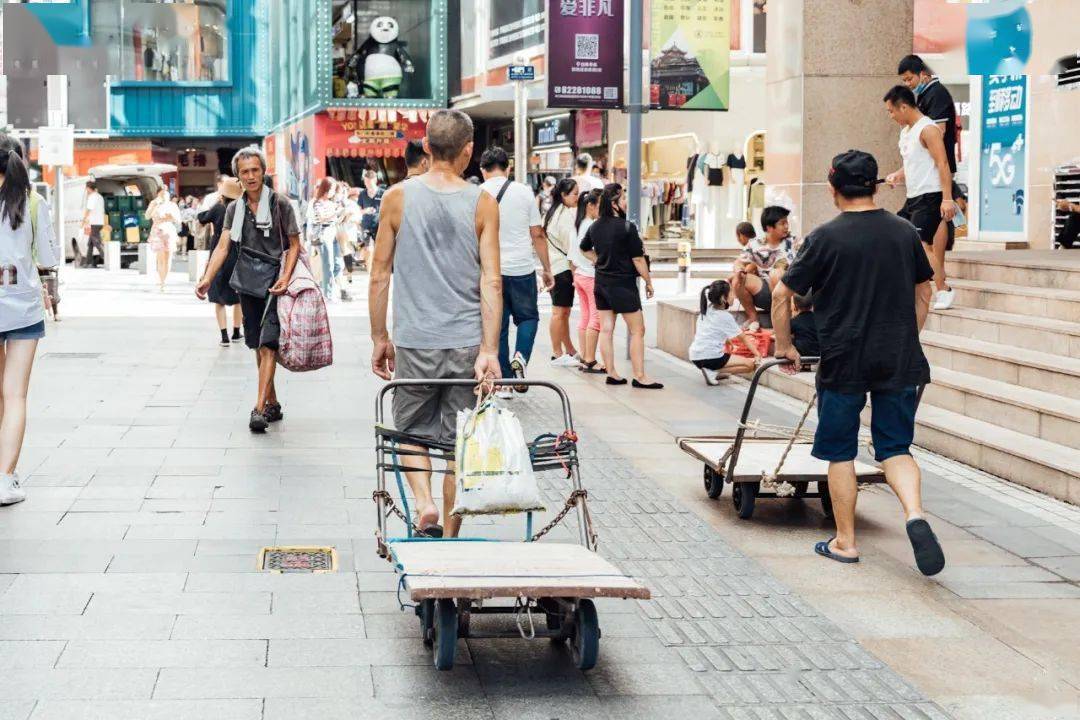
pixel 344 133
pixel 1002 158
pixel 585 54
pixel 689 55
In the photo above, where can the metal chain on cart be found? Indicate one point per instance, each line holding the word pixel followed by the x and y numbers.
pixel 768 480
pixel 571 502
pixel 392 507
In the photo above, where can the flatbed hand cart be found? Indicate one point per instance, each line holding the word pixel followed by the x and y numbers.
pixel 767 461
pixel 450 579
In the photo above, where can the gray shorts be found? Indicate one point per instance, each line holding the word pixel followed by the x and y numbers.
pixel 430 412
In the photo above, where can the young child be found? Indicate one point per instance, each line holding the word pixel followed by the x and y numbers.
pixel 714 328
pixel 804 326
pixel 744 233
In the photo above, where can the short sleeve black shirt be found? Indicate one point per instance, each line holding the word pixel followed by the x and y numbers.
pixel 616 243
pixel 281 210
pixel 936 103
pixel 863 268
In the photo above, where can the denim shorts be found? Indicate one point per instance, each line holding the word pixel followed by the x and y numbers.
pixel 892 424
pixel 30 332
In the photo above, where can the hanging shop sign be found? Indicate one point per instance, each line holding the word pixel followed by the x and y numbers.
pixel 585 54
pixel 346 133
pixel 1002 173
pixel 552 131
pixel 689 55
pixel 589 128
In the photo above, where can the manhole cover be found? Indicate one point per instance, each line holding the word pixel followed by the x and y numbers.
pixel 298 559
pixel 72 356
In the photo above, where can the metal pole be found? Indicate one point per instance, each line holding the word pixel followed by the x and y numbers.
pixel 634 107
pixel 56 92
pixel 521 128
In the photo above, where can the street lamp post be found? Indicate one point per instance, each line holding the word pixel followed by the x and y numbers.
pixel 635 108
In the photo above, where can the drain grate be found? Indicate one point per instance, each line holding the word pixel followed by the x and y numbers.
pixel 71 356
pixel 298 559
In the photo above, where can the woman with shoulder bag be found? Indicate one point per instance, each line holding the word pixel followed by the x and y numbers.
pixel 221 294
pixel 561 232
pixel 27 242
pixel 165 215
pixel 323 224
pixel 614 245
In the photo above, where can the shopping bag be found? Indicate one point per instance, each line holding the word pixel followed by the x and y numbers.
pixel 494 470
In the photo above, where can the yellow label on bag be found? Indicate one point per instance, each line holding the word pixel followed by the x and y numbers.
pixel 480 462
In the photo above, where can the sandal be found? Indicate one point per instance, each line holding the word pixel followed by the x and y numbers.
pixel 592 368
pixel 928 555
pixel 822 549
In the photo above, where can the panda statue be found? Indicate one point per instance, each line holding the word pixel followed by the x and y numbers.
pixel 380 63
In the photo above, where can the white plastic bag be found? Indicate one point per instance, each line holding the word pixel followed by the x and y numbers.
pixel 494 470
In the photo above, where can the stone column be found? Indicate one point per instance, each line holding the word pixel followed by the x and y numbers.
pixel 829 64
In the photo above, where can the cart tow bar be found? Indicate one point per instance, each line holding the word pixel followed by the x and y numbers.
pixel 522 607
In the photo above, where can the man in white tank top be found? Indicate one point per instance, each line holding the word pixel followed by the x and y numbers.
pixel 926 174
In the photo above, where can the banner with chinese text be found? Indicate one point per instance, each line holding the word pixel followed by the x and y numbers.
pixel 690 55
pixel 585 54
pixel 1002 175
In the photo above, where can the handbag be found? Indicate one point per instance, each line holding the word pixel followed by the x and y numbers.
pixel 256 272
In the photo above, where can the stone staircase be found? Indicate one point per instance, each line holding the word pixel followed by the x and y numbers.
pixel 1005 395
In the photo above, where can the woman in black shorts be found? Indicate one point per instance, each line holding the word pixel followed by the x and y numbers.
pixel 615 247
pixel 560 230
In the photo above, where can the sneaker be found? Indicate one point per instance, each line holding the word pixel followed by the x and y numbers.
pixel 272 412
pixel 224 343
pixel 10 490
pixel 504 393
pixel 944 299
pixel 257 423
pixel 517 366
pixel 238 338
pixel 565 361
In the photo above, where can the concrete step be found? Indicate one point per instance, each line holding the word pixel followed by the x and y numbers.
pixel 1034 300
pixel 1024 367
pixel 1035 463
pixel 1056 337
pixel 1037 414
pixel 1059 270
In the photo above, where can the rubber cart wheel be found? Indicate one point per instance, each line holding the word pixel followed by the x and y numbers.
pixel 826 499
pixel 426 611
pixel 714 482
pixel 744 494
pixel 585 647
pixel 445 641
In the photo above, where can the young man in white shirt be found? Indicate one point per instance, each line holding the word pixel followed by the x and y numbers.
pixel 520 235
pixel 928 179
pixel 584 178
pixel 94 219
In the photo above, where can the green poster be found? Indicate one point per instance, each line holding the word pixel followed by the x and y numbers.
pixel 689 55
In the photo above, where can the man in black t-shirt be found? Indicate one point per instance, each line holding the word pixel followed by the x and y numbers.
pixel 871 284
pixel 934 100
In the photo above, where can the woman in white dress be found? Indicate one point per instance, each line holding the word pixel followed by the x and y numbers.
pixel 164 233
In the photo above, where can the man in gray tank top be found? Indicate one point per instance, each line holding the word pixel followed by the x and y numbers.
pixel 439 237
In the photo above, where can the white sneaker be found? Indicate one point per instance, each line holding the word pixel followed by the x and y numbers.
pixel 504 393
pixel 10 490
pixel 944 299
pixel 565 361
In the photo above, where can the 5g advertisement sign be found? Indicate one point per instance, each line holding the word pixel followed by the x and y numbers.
pixel 1002 154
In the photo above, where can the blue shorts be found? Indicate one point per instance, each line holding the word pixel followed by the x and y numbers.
pixel 30 332
pixel 892 424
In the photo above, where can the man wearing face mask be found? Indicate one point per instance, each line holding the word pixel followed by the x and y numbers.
pixel 933 99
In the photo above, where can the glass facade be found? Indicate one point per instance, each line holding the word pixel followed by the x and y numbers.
pixel 174 42
pixel 382 49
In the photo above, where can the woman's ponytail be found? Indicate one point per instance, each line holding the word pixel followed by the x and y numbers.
pixel 15 192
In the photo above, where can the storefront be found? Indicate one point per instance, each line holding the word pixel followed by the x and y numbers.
pixel 590 136
pixel 551 150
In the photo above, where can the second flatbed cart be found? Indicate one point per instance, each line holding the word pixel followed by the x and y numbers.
pixel 449 580
pixel 767 461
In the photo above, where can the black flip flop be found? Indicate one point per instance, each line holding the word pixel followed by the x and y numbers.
pixel 822 549
pixel 928 554
pixel 432 531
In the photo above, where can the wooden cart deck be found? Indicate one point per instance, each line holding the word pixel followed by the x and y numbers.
pixel 491 569
pixel 761 455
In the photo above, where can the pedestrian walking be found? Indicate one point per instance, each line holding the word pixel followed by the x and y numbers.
pixel 221 294
pixel 520 236
pixel 93 221
pixel 323 229
pixel 370 203
pixel 164 233
pixel 417 162
pixel 27 241
pixel 264 226
pixel 439 237
pixel 615 247
pixel 584 177
pixel 588 210
pixel 349 230
pixel 871 293
pixel 559 226
pixel 928 181
pixel 547 192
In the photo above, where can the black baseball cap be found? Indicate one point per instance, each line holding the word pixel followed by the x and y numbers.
pixel 854 171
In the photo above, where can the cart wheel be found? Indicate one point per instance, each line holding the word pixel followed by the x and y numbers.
pixel 743 495
pixel 464 617
pixel 445 640
pixel 826 499
pixel 714 482
pixel 801 488
pixel 585 647
pixel 426 611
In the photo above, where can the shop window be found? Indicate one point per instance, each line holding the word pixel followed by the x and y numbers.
pixel 382 49
pixel 174 42
pixel 1067 70
pixel 760 7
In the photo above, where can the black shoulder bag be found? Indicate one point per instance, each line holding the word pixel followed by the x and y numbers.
pixel 256 272
pixel 502 191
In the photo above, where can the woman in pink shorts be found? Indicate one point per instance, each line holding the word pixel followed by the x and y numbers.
pixel 588 210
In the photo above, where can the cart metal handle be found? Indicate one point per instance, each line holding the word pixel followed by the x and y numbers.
pixel 380 413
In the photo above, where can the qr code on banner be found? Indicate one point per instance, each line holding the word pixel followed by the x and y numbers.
pixel 586 47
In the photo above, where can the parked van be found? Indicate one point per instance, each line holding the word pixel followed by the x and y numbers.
pixel 127 190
